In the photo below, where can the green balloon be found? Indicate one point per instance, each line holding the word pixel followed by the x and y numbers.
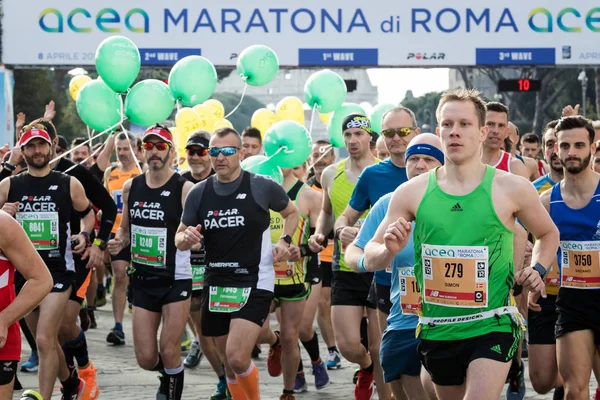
pixel 287 143
pixel 377 115
pixel 193 80
pixel 326 89
pixel 258 64
pixel 261 165
pixel 98 106
pixel 149 102
pixel 334 128
pixel 118 62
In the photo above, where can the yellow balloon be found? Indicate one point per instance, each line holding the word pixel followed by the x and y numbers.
pixel 290 109
pixel 216 107
pixel 207 119
pixel 223 123
pixel 325 117
pixel 186 122
pixel 76 84
pixel 262 119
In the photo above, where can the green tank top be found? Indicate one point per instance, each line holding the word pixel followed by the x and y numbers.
pixel 341 193
pixel 463 261
pixel 291 273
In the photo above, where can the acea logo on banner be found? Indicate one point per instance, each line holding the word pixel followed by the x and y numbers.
pixel 80 20
pixel 567 20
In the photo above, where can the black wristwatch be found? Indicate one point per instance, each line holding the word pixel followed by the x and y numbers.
pixel 541 270
pixel 100 243
pixel 286 238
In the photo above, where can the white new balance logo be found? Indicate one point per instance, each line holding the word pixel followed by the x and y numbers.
pixel 184 293
pixel 53 187
pixel 165 193
pixel 241 196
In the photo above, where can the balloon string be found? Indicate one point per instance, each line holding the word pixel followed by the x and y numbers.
pixel 178 104
pixel 312 118
pixel 324 150
pixel 279 150
pixel 240 103
pixel 66 153
pixel 89 132
pixel 85 160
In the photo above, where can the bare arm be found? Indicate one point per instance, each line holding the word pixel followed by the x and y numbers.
pixel 518 168
pixel 80 204
pixel 290 218
pixel 17 247
pixel 519 245
pixel 352 255
pixel 310 205
pixel 4 189
pixel 103 159
pixel 123 231
pixel 325 221
pixel 106 178
pixel 348 218
pixel 394 231
pixel 184 192
pixel 537 221
pixel 532 166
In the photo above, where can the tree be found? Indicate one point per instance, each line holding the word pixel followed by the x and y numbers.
pixel 424 108
pixel 240 119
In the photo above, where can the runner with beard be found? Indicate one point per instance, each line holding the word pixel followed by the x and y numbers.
pixel 114 179
pixel 322 156
pixel 162 276
pixel 42 201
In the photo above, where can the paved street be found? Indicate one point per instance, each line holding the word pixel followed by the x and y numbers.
pixel 119 376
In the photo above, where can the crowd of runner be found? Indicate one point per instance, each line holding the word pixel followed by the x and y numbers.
pixel 434 262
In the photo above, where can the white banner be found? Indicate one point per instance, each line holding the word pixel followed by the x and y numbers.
pixel 310 33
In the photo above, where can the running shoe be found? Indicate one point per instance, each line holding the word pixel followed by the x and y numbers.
pixel 76 394
pixel 364 385
pixel 320 373
pixel 116 337
pixel 516 383
pixel 300 383
pixel 333 360
pixel 193 359
pixel 32 363
pixel 31 395
pixel 100 296
pixel 221 392
pixel 274 358
pixel 92 390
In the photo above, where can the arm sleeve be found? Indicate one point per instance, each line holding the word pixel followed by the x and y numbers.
pixel 190 216
pixel 269 194
pixel 99 197
pixel 371 224
pixel 360 196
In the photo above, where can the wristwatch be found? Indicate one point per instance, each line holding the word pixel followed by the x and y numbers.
pixel 541 270
pixel 286 238
pixel 100 243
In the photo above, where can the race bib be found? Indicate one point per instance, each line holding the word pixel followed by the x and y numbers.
pixel 580 264
pixel 41 228
pixel 553 276
pixel 455 276
pixel 284 269
pixel 409 291
pixel 227 299
pixel 198 276
pixel 149 246
pixel 118 198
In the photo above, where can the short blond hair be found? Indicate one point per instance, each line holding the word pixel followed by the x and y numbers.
pixel 470 95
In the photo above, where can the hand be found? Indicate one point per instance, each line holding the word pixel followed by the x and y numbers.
pixel 114 246
pixel 50 112
pixel 4 149
pixel 397 235
pixel 348 234
pixel 569 111
pixel 314 243
pixel 295 253
pixel 192 235
pixel 81 243
pixel 95 257
pixel 528 252
pixel 532 301
pixel 530 279
pixel 3 333
pixel 19 123
pixel 11 208
pixel 15 157
pixel 280 253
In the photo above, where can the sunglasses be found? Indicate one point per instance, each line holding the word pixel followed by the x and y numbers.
pixel 402 132
pixel 200 152
pixel 226 151
pixel 160 146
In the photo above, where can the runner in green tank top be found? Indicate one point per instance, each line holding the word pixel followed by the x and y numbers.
pixel 464 214
pixel 349 290
pixel 291 290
